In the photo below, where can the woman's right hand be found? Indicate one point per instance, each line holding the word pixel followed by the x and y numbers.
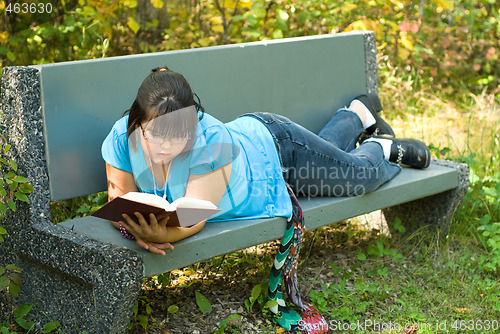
pixel 153 247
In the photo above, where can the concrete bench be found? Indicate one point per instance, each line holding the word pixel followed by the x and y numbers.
pixel 82 272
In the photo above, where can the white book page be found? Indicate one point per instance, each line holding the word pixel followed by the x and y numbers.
pixel 188 202
pixel 157 201
pixel 150 199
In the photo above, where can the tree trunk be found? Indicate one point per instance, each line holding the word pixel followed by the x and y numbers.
pixel 147 13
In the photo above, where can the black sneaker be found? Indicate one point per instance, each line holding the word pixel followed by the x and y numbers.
pixel 409 152
pixel 372 102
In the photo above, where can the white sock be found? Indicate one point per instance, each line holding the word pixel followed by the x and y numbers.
pixel 385 143
pixel 369 119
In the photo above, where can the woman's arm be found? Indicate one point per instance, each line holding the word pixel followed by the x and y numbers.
pixel 119 182
pixel 210 186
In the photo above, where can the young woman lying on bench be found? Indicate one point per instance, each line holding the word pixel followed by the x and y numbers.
pixel 251 167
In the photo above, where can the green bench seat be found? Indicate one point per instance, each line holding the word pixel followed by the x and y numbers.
pixel 224 237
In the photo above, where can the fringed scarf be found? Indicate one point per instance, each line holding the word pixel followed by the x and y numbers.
pixel 309 320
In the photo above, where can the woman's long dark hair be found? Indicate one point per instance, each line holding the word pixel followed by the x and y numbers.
pixel 163 92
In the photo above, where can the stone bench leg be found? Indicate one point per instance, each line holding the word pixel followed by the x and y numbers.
pixel 81 283
pixel 436 210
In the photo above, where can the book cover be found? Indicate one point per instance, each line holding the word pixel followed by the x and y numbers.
pixel 184 212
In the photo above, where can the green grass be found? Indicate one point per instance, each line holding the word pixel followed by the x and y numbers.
pixel 418 279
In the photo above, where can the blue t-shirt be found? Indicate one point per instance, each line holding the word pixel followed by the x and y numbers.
pixel 256 188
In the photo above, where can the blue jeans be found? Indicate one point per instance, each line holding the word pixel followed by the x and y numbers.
pixel 328 163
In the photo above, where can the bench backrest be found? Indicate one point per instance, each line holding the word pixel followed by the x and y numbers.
pixel 306 81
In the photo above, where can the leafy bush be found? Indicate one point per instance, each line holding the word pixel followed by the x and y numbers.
pixel 77 207
pixel 444 45
pixel 483 201
pixel 12 187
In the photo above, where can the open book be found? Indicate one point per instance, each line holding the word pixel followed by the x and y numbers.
pixel 183 212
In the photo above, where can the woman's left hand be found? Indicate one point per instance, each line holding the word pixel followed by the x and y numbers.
pixel 150 235
pixel 154 247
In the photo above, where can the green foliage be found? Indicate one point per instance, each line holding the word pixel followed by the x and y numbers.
pixel 483 203
pixel 427 284
pixel 10 278
pixel 255 294
pixel 491 233
pixel 173 309
pixel 19 315
pixel 226 325
pixel 230 262
pixel 203 303
pixel 13 187
pixel 446 46
pixel 259 295
pixel 142 310
pixel 77 207
pixel 458 49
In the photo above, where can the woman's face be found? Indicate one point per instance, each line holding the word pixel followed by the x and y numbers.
pixel 161 149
